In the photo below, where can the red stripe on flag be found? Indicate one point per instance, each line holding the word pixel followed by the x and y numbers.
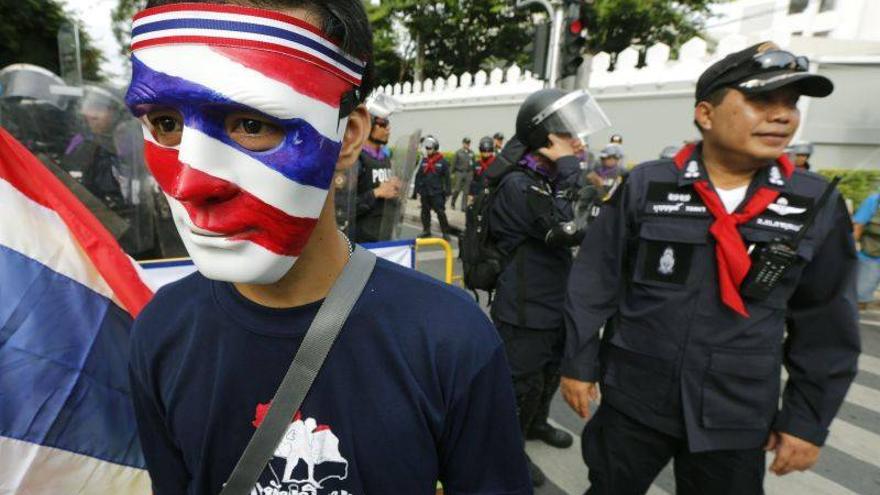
pixel 27 174
pixel 224 208
pixel 257 45
pixel 300 75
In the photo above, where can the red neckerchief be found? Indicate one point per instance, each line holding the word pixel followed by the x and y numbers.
pixel 730 250
pixel 485 163
pixel 431 163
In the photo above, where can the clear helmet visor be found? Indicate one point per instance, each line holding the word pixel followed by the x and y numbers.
pixel 381 105
pixel 576 114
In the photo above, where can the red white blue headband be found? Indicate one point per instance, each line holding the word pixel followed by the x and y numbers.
pixel 245 27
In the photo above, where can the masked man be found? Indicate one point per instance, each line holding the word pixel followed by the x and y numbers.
pixel 243 134
pixel 709 272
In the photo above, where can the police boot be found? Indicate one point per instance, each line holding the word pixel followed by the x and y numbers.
pixel 535 473
pixel 424 234
pixel 553 437
pixel 539 428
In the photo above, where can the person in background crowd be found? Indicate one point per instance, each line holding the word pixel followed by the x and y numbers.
pixel 601 178
pixel 432 185
pixel 531 220
pixel 616 139
pixel 801 153
pixel 498 139
pixel 376 184
pixel 696 329
pixel 866 229
pixel 487 157
pixel 462 169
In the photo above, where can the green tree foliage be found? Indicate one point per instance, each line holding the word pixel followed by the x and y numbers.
pixel 854 184
pixel 120 18
pixel 454 36
pixel 468 35
pixel 28 34
pixel 615 24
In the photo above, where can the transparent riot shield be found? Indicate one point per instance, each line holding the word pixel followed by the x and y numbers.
pixel 345 198
pixel 404 159
pixel 85 136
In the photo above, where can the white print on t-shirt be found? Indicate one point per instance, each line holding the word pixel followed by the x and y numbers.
pixel 309 457
pixel 381 175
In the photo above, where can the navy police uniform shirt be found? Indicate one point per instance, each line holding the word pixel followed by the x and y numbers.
pixel 372 171
pixel 434 182
pixel 416 389
pixel 672 355
pixel 531 289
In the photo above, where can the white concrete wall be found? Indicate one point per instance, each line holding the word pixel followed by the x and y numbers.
pixel 652 107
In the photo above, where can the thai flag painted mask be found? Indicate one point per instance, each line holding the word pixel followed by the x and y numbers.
pixel 242 128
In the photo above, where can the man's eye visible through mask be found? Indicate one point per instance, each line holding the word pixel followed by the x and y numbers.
pixel 166 126
pixel 253 132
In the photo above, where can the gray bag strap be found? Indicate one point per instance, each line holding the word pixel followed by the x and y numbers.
pixel 312 352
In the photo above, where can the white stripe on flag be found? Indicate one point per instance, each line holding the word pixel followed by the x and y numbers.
pixel 205 67
pixel 215 158
pixel 40 234
pixel 30 468
pixel 227 16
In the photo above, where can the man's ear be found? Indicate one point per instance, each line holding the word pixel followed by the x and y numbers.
pixel 703 115
pixel 356 131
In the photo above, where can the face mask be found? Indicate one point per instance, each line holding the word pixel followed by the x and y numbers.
pixel 245 213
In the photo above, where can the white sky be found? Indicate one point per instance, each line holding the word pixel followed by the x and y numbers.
pixel 95 15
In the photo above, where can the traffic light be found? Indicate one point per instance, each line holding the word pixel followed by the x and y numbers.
pixel 573 39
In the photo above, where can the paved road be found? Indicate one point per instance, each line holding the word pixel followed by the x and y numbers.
pixel 849 464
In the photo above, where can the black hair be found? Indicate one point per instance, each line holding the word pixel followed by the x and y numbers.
pixel 715 98
pixel 342 20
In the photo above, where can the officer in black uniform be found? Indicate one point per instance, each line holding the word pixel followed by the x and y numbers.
pixel 531 220
pixel 801 153
pixel 376 184
pixel 433 185
pixel 695 269
pixel 498 139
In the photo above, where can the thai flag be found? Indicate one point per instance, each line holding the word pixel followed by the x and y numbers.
pixel 192 56
pixel 67 298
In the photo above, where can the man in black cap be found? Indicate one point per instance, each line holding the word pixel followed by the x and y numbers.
pixel 498 138
pixel 696 267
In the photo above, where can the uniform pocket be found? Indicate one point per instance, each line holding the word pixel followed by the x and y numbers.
pixel 667 254
pixel 646 378
pixel 740 390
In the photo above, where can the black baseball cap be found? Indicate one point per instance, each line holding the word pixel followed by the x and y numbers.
pixel 761 68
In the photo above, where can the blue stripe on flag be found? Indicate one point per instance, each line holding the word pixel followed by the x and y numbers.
pixel 63 364
pixel 221 25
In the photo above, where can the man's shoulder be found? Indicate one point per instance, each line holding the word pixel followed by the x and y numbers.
pixel 653 170
pixel 415 303
pixel 169 303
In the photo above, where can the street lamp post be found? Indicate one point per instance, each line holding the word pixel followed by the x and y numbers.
pixel 555 11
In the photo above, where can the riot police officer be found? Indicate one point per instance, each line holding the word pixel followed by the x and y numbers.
pixel 531 221
pixel 377 187
pixel 696 267
pixel 432 186
pixel 801 153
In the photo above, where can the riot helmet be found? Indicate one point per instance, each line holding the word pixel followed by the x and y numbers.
pixel 486 145
pixel 430 144
pixel 31 82
pixel 611 151
pixel 554 111
pixel 381 105
pixel 801 149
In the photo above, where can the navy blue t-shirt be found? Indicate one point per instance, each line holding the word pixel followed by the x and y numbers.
pixel 416 389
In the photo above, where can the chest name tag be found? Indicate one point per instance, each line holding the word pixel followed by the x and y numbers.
pixel 668 199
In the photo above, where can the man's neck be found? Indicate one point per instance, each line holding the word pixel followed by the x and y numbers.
pixel 313 274
pixel 729 170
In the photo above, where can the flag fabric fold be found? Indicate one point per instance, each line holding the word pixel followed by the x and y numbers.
pixel 68 296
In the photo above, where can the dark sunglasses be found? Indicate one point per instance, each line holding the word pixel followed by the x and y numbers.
pixel 779 59
pixel 381 123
